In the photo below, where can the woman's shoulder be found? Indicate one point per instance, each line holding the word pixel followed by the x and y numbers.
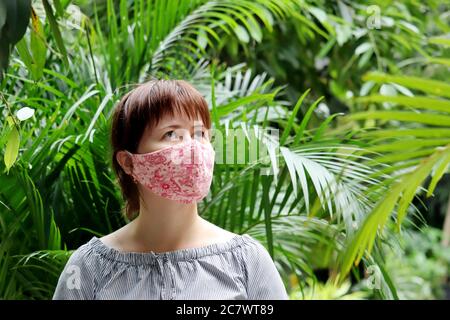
pixel 261 274
pixel 254 250
pixel 79 274
pixel 84 255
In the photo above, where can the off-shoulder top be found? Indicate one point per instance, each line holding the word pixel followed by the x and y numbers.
pixel 239 268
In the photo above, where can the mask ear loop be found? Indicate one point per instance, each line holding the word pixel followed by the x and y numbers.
pixel 131 175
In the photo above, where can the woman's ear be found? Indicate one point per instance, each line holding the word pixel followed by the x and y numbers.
pixel 124 158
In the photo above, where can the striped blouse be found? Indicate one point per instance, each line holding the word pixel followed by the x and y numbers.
pixel 239 268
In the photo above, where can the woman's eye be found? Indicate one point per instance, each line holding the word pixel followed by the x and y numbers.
pixel 170 134
pixel 200 134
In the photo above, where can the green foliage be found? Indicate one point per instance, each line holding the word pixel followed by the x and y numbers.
pixel 353 152
pixel 329 291
pixel 419 265
pixel 433 158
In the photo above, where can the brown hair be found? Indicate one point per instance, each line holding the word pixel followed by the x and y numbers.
pixel 143 107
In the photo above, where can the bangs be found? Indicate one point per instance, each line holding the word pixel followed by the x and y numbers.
pixel 153 100
pixel 148 103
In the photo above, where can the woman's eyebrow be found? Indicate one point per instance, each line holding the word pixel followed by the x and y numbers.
pixel 180 126
pixel 172 126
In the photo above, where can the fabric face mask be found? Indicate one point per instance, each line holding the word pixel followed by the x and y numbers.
pixel 182 172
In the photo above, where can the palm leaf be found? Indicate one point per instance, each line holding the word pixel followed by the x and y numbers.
pixel 410 178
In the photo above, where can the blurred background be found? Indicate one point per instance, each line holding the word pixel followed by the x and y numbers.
pixel 357 205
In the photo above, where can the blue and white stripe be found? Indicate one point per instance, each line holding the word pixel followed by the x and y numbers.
pixel 240 268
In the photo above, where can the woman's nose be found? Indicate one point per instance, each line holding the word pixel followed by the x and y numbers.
pixel 186 135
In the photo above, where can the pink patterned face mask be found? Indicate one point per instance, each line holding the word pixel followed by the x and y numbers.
pixel 182 172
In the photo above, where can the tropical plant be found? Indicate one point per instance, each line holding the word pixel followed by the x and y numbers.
pixel 419 264
pixel 321 187
pixel 424 143
pixel 329 291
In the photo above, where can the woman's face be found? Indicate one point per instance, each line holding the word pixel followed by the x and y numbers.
pixel 172 130
pixel 169 131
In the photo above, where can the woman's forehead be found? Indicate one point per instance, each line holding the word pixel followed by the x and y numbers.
pixel 180 119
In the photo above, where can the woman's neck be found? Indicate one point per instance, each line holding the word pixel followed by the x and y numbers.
pixel 166 225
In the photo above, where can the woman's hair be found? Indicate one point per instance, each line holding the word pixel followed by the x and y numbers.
pixel 145 106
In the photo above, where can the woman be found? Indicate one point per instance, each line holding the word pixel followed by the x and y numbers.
pixel 164 162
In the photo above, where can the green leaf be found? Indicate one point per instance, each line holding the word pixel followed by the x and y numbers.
pixel 255 30
pixel 413 180
pixel 343 33
pixel 230 107
pixel 440 40
pixel 432 119
pixel 267 213
pixel 445 62
pixel 325 125
pixel 12 148
pixel 242 34
pixel 319 14
pixel 305 120
pixel 408 144
pixel 24 53
pixel 426 132
pixel 440 171
pixel 421 102
pixel 434 87
pixel 37 46
pixel 293 116
pixel 362 48
pixel 55 29
pixel 97 114
pixel 59 8
pixel 202 39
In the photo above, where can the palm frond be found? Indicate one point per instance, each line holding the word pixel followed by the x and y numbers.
pixel 413 167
